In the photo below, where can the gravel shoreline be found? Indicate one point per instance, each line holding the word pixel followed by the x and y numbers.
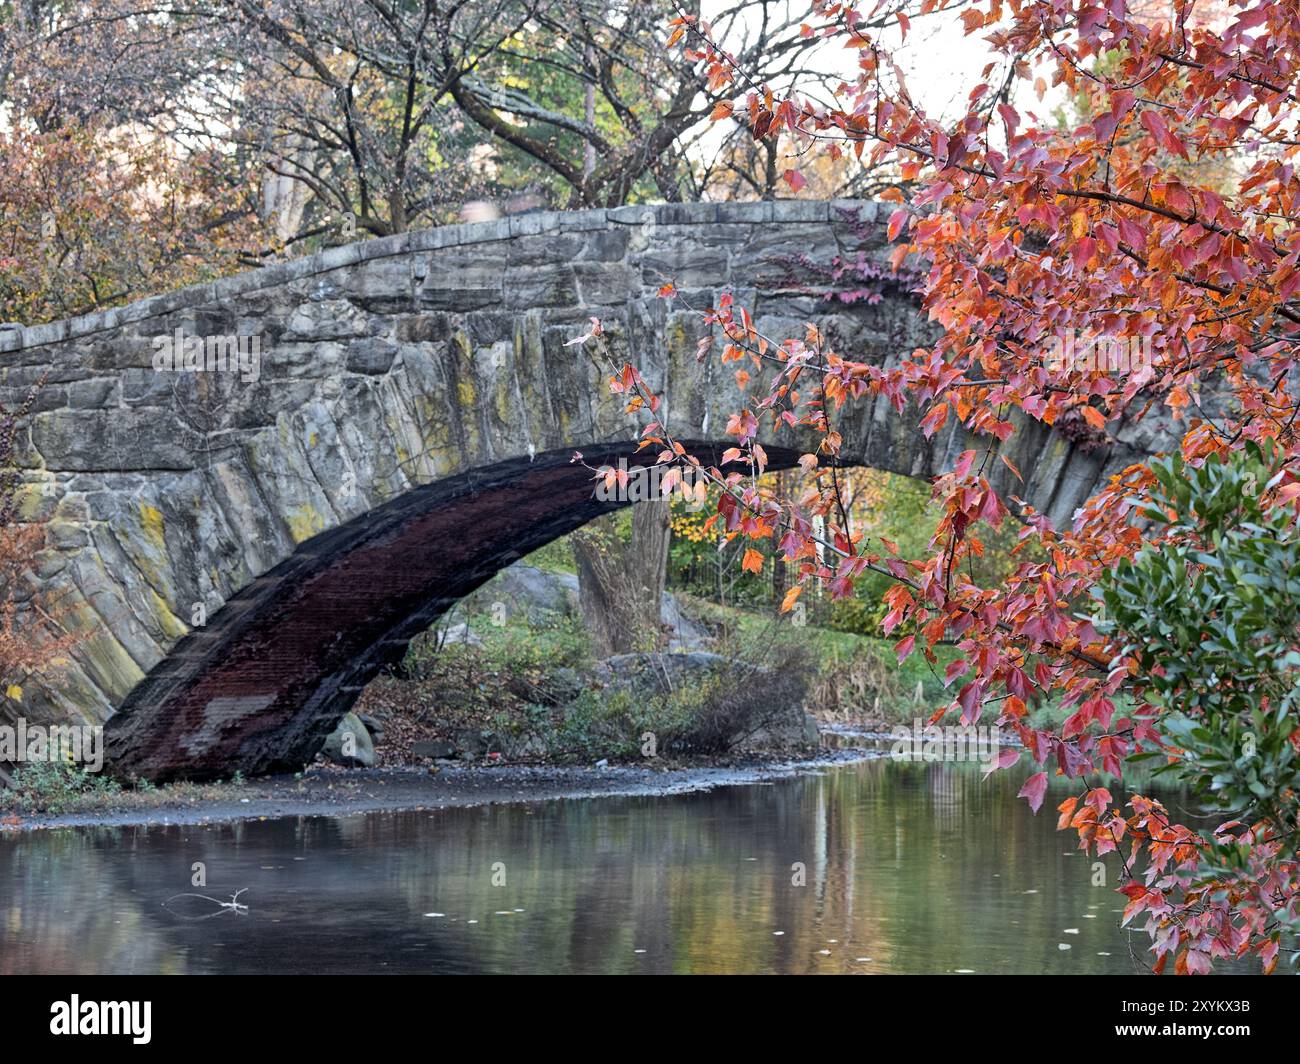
pixel 352 792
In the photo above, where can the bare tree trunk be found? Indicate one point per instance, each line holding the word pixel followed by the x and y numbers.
pixel 598 597
pixel 284 200
pixel 621 587
pixel 780 577
pixel 589 113
pixel 648 565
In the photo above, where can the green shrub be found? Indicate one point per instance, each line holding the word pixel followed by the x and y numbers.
pixel 1212 618
pixel 52 786
pixel 606 723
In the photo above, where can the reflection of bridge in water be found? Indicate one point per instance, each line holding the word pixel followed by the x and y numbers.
pixel 918 868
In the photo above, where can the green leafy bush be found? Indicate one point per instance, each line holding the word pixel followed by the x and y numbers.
pixel 1212 618
pixel 52 786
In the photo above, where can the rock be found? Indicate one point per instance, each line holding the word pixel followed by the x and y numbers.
pixel 687 634
pixel 660 671
pixel 562 685
pixel 793 729
pixel 461 633
pixel 373 726
pixel 334 319
pixel 435 748
pixel 370 356
pixel 812 732
pixel 523 747
pixel 130 439
pixel 539 595
pixel 350 744
pixel 542 595
pixel 471 743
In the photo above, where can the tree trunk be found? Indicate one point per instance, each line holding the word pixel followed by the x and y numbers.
pixel 285 200
pixel 780 577
pixel 589 113
pixel 648 564
pixel 621 586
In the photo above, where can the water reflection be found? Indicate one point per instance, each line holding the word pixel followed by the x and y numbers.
pixel 905 868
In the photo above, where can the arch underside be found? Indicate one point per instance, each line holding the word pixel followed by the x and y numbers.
pixel 262 685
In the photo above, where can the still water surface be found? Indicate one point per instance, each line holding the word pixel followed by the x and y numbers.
pixel 909 868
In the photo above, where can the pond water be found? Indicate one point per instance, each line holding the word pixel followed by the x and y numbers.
pixel 869 867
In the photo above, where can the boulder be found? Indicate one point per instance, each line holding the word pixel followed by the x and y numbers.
pixel 687 634
pixel 539 595
pixel 659 671
pixel 543 596
pixel 472 743
pixel 525 746
pixel 350 744
pixel 374 726
pixel 812 731
pixel 562 685
pixel 796 728
pixel 461 633
pixel 437 748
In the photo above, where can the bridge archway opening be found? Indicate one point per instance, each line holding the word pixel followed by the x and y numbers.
pixel 261 686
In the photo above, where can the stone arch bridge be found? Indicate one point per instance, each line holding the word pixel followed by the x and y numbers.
pixel 401 427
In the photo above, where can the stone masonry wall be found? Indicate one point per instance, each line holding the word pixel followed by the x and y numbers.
pixel 394 365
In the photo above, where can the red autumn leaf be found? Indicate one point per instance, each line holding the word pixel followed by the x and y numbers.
pixel 1034 789
pixel 1007 756
pixel 934 420
pixel 1094 417
pixel 1084 248
pixel 896 222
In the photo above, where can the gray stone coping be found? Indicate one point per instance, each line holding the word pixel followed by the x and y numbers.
pixel 772 212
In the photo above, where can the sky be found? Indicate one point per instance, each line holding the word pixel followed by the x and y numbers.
pixel 940 62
